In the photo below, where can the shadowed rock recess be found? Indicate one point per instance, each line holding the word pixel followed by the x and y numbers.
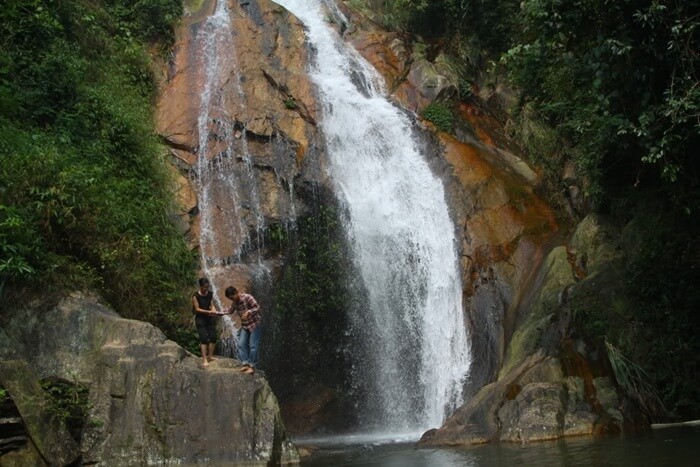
pixel 149 401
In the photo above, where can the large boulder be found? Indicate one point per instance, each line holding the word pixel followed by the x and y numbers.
pixel 551 382
pixel 149 400
pixel 540 399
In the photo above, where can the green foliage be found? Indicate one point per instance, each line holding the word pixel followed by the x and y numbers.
pixel 315 272
pixel 277 237
pixel 643 307
pixel 394 15
pixel 19 246
pixel 85 193
pixel 619 91
pixel 186 336
pixel 440 115
pixel 590 320
pixel 464 87
pixel 540 141
pixel 149 20
pixel 69 402
pixel 633 379
pixel 483 21
pixel 663 274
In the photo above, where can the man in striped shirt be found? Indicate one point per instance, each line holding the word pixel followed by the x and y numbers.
pixel 248 337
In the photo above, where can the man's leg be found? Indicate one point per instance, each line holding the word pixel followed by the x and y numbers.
pixel 212 349
pixel 201 327
pixel 254 346
pixel 243 349
pixel 211 338
pixel 203 351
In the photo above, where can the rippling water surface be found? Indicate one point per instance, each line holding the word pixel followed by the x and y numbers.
pixel 662 447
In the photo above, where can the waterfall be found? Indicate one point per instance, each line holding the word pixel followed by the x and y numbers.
pixel 414 356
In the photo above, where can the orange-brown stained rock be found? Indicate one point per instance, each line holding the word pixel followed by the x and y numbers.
pixel 261 86
pixel 178 101
pixel 575 364
pixel 505 213
pixel 270 56
pixel 486 127
pixel 384 51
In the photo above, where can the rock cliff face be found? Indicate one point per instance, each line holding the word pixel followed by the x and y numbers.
pixel 516 269
pixel 552 384
pixel 148 402
pixel 258 134
pixel 531 380
pixel 504 227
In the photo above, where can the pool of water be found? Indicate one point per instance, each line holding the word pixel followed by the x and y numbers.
pixel 677 446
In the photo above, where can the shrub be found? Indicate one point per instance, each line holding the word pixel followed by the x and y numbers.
pixel 68 401
pixel 440 115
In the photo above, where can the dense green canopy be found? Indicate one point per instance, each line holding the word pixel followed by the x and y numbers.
pixel 85 194
pixel 617 79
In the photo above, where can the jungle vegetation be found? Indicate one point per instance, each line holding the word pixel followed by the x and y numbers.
pixel 85 192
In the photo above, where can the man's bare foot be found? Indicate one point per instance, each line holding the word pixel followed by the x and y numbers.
pixel 249 370
pixel 244 368
pixel 211 359
pixel 205 363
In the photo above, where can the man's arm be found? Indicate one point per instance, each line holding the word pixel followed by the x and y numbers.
pixel 252 304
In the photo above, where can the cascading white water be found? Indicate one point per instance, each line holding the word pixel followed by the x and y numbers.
pixel 415 355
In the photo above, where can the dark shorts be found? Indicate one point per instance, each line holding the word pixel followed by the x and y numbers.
pixel 206 328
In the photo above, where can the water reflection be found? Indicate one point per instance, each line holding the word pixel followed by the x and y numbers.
pixel 665 447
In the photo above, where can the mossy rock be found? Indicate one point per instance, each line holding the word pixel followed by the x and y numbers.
pixel 557 275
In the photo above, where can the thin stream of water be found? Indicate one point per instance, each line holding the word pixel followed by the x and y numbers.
pixel 228 195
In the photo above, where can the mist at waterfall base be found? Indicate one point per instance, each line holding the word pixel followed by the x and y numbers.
pixel 412 353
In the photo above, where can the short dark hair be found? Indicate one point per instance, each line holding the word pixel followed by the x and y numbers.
pixel 231 291
pixel 203 281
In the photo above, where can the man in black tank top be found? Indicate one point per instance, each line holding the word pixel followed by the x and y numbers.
pixel 205 313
